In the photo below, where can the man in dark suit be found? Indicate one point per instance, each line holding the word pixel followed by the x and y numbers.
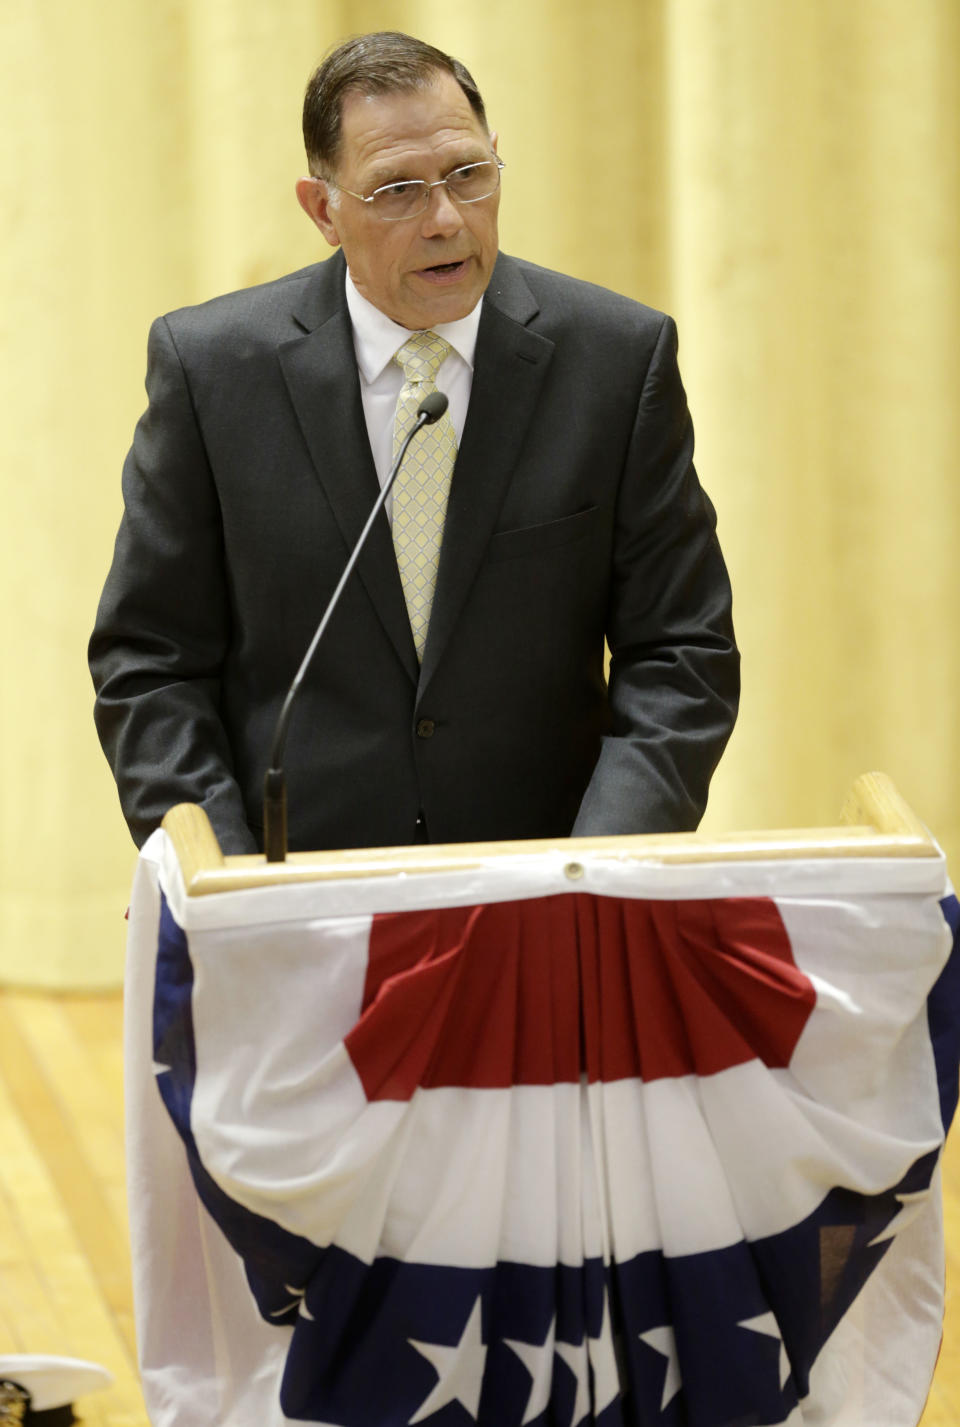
pixel 574 514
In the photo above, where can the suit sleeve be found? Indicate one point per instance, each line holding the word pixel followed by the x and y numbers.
pixel 163 627
pixel 674 673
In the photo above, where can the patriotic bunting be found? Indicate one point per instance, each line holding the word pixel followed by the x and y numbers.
pixel 657 1148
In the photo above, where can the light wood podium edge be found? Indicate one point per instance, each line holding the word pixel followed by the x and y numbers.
pixel 875 822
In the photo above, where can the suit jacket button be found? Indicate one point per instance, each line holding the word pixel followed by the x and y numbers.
pixel 425 728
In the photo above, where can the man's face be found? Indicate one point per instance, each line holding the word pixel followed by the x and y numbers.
pixel 425 270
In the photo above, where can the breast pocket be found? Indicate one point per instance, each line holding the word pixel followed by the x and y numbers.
pixel 532 539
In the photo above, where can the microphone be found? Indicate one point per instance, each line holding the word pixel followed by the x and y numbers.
pixel 432 408
pixel 274 783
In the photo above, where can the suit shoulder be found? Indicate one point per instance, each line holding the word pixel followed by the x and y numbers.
pixel 267 309
pixel 574 299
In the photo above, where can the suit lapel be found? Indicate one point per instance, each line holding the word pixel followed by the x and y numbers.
pixel 509 368
pixel 321 375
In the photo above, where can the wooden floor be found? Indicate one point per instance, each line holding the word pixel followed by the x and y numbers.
pixel 64 1263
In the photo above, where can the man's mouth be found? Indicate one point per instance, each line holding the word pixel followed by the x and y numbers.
pixel 440 272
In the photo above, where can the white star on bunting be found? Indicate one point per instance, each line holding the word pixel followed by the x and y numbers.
pixel 537 1358
pixel 603 1360
pixel 912 1204
pixel 767 1324
pixel 459 1370
pixel 596 1354
pixel 575 1357
pixel 297 1296
pixel 662 1340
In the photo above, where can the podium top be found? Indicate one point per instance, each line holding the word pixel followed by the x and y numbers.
pixel 875 821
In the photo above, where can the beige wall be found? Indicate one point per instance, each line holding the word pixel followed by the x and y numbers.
pixel 782 175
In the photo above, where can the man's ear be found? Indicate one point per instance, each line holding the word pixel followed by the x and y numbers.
pixel 494 136
pixel 314 197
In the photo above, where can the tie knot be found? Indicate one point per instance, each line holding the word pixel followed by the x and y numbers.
pixel 422 357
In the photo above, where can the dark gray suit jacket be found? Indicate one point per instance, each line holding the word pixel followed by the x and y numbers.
pixel 575 514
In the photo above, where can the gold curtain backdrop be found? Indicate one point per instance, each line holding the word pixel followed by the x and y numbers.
pixel 781 175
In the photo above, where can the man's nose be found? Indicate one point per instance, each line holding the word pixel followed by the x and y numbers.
pixel 442 216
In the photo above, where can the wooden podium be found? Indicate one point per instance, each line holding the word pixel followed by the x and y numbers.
pixel 874 822
pixel 623 1131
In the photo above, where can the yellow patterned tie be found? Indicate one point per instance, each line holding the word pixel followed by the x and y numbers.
pixel 421 489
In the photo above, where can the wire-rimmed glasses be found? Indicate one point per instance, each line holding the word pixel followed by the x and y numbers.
pixel 409 198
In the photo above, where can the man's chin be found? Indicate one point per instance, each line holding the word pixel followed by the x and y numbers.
pixel 430 304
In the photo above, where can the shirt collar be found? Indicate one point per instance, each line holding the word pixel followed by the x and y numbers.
pixel 376 337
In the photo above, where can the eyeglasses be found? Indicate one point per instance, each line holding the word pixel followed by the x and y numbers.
pixel 396 201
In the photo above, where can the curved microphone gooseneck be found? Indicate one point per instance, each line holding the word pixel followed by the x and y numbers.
pixel 275 784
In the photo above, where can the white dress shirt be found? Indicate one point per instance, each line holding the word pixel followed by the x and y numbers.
pixel 375 340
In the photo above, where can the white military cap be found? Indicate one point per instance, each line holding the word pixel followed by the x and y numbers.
pixel 39 1391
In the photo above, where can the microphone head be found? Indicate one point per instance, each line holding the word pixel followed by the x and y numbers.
pixel 432 407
